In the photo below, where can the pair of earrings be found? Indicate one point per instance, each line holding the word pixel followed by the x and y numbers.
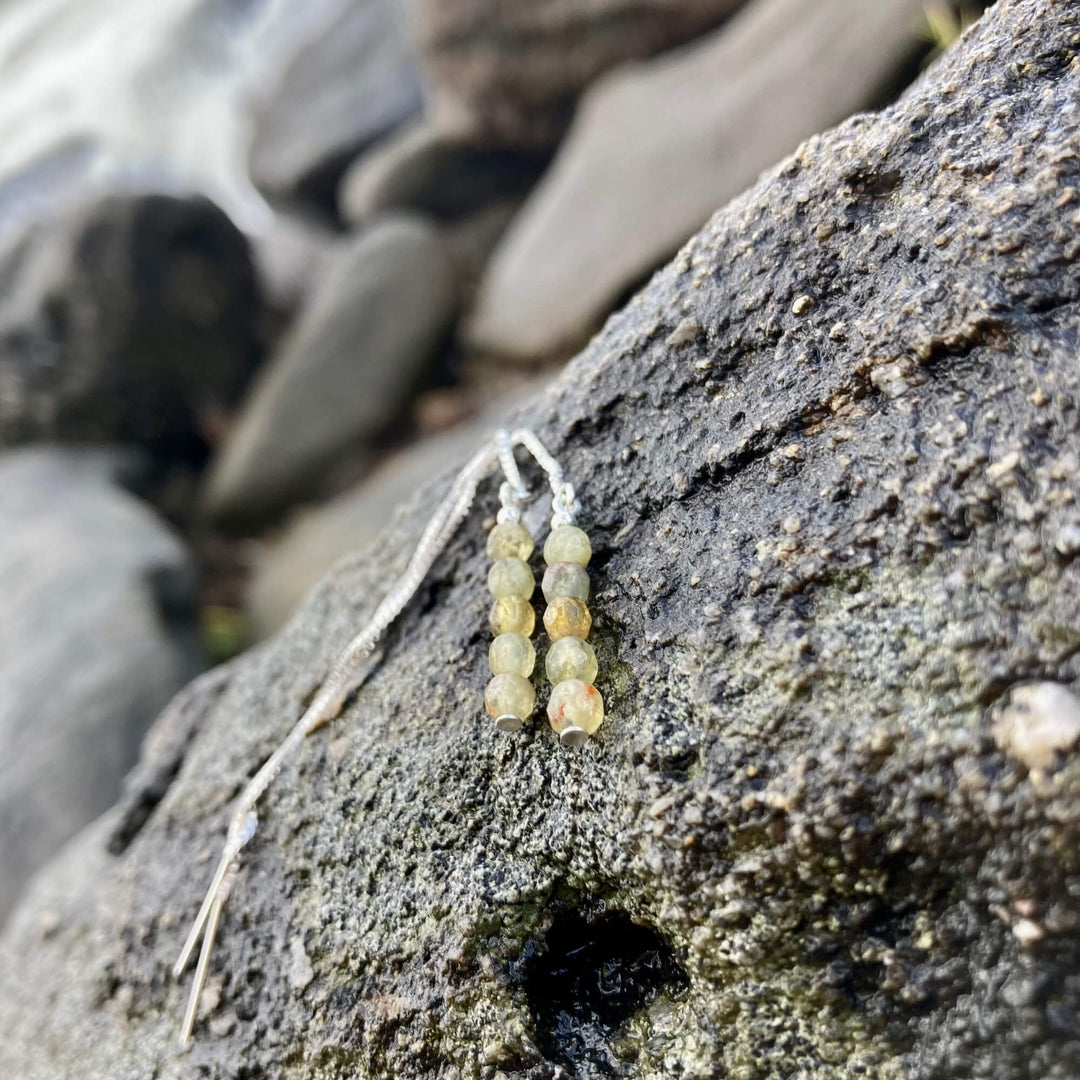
pixel 575 708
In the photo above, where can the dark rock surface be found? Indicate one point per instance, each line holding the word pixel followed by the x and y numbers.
pixel 511 72
pixel 133 320
pixel 369 332
pixel 96 635
pixel 828 460
pixel 356 81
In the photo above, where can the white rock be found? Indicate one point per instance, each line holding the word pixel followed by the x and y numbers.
pixel 1040 720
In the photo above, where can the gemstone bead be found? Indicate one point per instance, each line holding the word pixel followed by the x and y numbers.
pixel 511 577
pixel 575 704
pixel 512 654
pixel 567 616
pixel 510 695
pixel 567 543
pixel 512 615
pixel 571 658
pixel 566 579
pixel 509 539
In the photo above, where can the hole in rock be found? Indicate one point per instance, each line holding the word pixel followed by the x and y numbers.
pixel 588 978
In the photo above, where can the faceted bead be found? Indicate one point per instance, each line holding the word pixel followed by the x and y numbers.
pixel 571 658
pixel 575 704
pixel 510 695
pixel 567 543
pixel 566 579
pixel 511 577
pixel 509 539
pixel 512 654
pixel 567 616
pixel 512 615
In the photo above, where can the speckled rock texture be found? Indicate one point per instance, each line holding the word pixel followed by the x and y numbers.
pixel 828 462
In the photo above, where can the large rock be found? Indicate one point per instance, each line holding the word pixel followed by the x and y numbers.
pixel 354 82
pixel 96 634
pixel 828 461
pixel 362 344
pixel 656 148
pixel 133 320
pixel 512 72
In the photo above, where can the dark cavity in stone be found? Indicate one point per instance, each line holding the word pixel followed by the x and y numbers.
pixel 586 980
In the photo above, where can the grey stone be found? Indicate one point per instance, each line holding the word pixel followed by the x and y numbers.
pixel 512 72
pixel 353 83
pixel 793 850
pixel 96 635
pixel 367 336
pixel 290 565
pixel 449 175
pixel 658 147
pixel 135 319
pixel 290 254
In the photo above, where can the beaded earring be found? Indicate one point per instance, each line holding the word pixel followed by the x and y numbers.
pixel 510 698
pixel 576 709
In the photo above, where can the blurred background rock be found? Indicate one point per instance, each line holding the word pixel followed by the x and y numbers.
pixel 267 266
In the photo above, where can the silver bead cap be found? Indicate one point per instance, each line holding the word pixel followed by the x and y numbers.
pixel 508 722
pixel 574 736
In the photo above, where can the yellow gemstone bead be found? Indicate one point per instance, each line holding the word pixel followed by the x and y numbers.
pixel 575 704
pixel 509 539
pixel 566 579
pixel 512 654
pixel 510 695
pixel 511 577
pixel 512 615
pixel 571 658
pixel 566 616
pixel 567 543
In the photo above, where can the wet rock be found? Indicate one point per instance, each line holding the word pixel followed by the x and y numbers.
pixel 368 334
pixel 353 83
pixel 133 320
pixel 512 72
pixel 663 144
pixel 95 636
pixel 794 848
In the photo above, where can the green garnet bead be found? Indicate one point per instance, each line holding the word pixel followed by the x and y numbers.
pixel 567 543
pixel 512 615
pixel 509 700
pixel 511 577
pixel 509 540
pixel 512 654
pixel 571 658
pixel 576 710
pixel 567 616
pixel 566 579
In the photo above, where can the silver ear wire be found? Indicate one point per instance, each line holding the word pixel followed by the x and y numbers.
pixel 349 672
